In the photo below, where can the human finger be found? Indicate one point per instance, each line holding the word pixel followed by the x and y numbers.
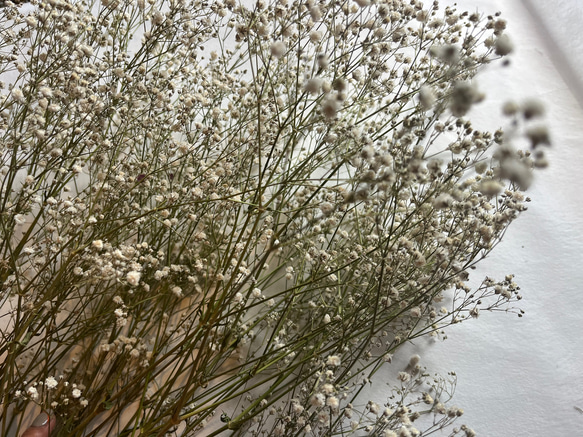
pixel 42 426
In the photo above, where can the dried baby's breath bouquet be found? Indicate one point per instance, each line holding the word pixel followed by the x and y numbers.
pixel 223 218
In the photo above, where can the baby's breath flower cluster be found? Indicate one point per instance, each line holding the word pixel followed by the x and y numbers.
pixel 246 208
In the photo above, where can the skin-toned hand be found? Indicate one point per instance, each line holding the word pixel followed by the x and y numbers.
pixel 42 426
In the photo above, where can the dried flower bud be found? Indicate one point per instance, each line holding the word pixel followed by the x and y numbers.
pixel 427 97
pixel 314 85
pixel 315 13
pixel 278 49
pixel 333 360
pixel 463 96
pixel 133 278
pixel 538 135
pixel 489 187
pixel 330 107
pixel 503 46
pixel 510 108
pixel 414 360
pixel 532 108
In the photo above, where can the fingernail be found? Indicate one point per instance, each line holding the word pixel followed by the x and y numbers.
pixel 41 420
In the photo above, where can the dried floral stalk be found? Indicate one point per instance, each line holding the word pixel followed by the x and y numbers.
pixel 255 228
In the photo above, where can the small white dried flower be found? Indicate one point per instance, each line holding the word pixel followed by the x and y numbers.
pixel 532 108
pixel 157 18
pixel 277 49
pixel 327 389
pixel 333 360
pixel 373 407
pixel 419 260
pixel 510 108
pixel 318 400
pixel 31 21
pixel 315 13
pixel 20 219
pixel 475 312
pixel 313 85
pixel 323 62
pixel 440 408
pixel 404 376
pixel 490 187
pixel 97 245
pixel 464 95
pixel 414 360
pixel 327 208
pixel 459 412
pixel 449 54
pixel 160 274
pixel 76 393
pixel 297 408
pixel 503 46
pixel 538 135
pixel 330 107
pixel 133 278
pixel 427 97
pixel 416 312
pixel 46 92
pixel 315 36
pixel 348 411
pixel 51 382
pixel 481 167
pixel 86 50
pixel 332 402
pixel 32 392
pixel 17 95
pixel 422 16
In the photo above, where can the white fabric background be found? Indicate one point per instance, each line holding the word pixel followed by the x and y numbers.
pixel 524 377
